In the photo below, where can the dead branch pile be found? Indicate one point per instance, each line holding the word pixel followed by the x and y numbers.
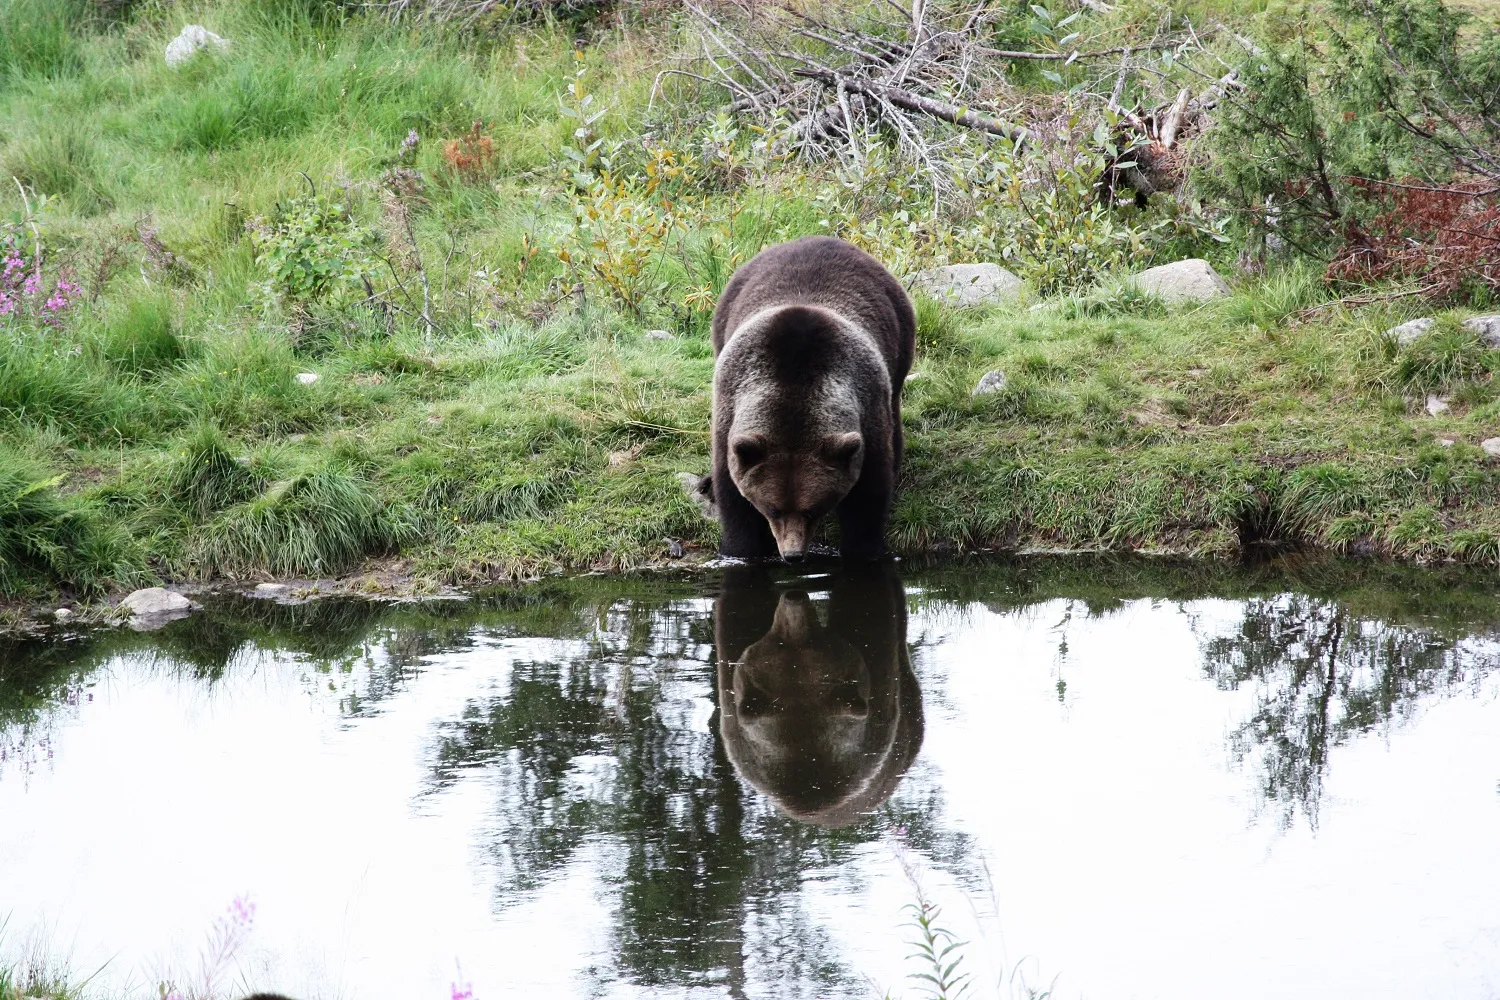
pixel 830 78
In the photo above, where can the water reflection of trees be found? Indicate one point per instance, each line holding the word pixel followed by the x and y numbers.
pixel 610 744
pixel 1323 674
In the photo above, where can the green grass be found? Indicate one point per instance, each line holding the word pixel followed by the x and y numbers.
pixel 162 432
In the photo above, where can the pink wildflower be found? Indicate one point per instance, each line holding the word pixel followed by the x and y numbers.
pixel 32 284
pixel 13 263
pixel 7 304
pixel 466 992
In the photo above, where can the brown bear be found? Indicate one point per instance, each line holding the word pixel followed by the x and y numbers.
pixel 812 341
pixel 825 719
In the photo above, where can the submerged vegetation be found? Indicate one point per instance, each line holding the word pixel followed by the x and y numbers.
pixel 366 287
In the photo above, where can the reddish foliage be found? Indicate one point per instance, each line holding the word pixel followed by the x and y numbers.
pixel 470 154
pixel 1447 238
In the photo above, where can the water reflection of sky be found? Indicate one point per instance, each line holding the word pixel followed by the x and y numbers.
pixel 1166 799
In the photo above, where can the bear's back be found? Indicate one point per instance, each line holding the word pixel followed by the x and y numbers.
pixel 827 272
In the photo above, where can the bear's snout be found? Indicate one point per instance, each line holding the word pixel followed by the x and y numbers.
pixel 791 533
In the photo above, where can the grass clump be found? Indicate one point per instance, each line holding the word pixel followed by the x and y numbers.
pixel 206 477
pixel 311 524
pixel 142 339
pixel 52 540
pixel 37 39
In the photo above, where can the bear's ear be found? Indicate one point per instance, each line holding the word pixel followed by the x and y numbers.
pixel 750 449
pixel 840 449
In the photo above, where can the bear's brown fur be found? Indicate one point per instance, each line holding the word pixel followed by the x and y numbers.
pixel 812 341
pixel 824 719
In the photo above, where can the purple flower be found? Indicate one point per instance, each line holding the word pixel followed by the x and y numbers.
pixel 466 992
pixel 32 284
pixel 7 304
pixel 13 263
pixel 409 146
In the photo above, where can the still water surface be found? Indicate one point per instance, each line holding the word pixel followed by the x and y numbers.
pixel 1118 780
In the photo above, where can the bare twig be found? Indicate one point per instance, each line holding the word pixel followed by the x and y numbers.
pixel 915 102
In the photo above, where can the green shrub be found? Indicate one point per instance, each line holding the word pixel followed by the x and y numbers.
pixel 310 249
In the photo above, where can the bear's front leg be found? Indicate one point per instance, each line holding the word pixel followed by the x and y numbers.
pixel 743 531
pixel 864 515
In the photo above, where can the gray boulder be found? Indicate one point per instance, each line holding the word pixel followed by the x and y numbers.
pixel 965 285
pixel 155 601
pixel 1488 328
pixel 990 382
pixel 1436 406
pixel 1192 280
pixel 1491 447
pixel 1408 332
pixel 190 41
pixel 659 335
pixel 272 590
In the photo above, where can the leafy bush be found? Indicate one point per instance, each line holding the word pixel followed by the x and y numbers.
pixel 311 249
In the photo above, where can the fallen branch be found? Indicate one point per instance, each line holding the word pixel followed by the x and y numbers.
pixel 950 113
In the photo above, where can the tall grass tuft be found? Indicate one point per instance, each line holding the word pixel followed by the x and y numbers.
pixel 1450 354
pixel 36 39
pixel 56 539
pixel 44 384
pixel 142 339
pixel 63 160
pixel 206 478
pixel 316 523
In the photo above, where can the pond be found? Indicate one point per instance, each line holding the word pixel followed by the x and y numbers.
pixel 1113 779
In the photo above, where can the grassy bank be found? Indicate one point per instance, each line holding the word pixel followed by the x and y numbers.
pixel 474 302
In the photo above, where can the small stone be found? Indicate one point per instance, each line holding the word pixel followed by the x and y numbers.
pixel 155 601
pixel 189 41
pixel 1192 280
pixel 307 378
pixel 1408 332
pixel 1447 442
pixel 674 548
pixel 916 376
pixel 1491 447
pixel 659 335
pixel 272 589
pixel 965 285
pixel 990 382
pixel 1436 406
pixel 63 614
pixel 1488 328
pixel 296 439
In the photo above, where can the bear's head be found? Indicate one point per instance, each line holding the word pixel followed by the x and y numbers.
pixel 794 483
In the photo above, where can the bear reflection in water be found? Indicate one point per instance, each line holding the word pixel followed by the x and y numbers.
pixel 821 712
